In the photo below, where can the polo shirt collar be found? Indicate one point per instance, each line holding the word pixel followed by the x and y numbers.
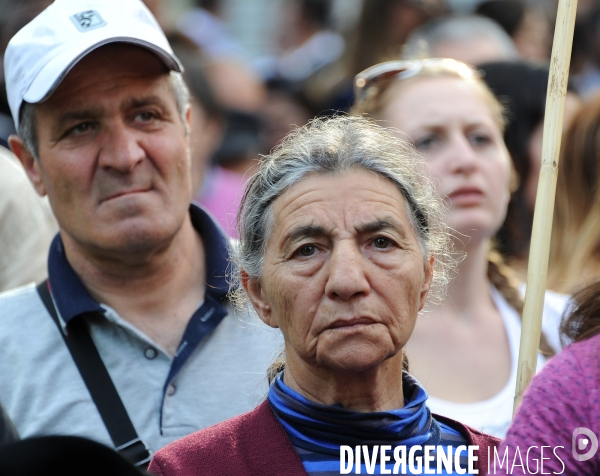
pixel 73 299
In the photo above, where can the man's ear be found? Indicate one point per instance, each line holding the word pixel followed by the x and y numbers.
pixel 254 291
pixel 188 119
pixel 426 281
pixel 31 166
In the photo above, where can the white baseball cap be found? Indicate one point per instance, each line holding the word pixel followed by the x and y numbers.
pixel 41 54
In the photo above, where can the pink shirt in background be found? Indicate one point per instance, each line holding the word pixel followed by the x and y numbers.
pixel 562 398
pixel 221 194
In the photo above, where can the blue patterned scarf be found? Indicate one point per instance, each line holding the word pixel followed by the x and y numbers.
pixel 324 428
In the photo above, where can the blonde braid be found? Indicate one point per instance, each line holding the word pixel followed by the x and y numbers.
pixel 503 279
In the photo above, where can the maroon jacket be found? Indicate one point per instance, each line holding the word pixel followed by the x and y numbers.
pixel 255 443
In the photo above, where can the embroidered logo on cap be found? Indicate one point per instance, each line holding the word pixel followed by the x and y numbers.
pixel 89 20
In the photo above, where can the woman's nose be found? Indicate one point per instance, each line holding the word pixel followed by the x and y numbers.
pixel 462 156
pixel 347 274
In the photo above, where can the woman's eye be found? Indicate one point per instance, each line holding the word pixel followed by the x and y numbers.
pixel 381 242
pixel 426 142
pixel 307 250
pixel 479 139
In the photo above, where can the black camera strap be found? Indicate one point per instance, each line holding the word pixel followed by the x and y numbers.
pixel 100 385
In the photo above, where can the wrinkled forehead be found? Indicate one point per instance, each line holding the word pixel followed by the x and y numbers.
pixel 358 200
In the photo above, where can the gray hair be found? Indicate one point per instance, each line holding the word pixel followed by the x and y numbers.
pixel 423 42
pixel 27 123
pixel 333 146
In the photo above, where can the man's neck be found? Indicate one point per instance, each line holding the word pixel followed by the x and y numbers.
pixel 157 291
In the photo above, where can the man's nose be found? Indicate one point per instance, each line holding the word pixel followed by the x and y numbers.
pixel 347 273
pixel 121 149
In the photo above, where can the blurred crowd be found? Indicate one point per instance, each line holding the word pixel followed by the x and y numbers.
pixel 242 107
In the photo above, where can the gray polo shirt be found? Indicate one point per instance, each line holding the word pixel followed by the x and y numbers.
pixel 215 375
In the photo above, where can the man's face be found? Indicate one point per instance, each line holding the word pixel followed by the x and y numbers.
pixel 114 153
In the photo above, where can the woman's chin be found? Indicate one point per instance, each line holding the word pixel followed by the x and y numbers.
pixel 475 224
pixel 355 358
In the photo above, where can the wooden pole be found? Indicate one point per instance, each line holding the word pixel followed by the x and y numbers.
pixel 544 203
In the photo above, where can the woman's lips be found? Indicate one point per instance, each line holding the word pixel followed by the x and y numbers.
pixel 346 323
pixel 466 196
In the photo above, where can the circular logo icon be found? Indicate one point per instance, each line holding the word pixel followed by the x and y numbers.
pixel 584 443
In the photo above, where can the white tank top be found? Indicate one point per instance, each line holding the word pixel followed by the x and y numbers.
pixel 494 415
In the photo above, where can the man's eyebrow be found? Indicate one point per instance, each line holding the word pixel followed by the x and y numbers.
pixel 134 103
pixel 90 113
pixel 74 116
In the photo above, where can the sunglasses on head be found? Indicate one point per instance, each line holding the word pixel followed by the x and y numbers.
pixel 373 79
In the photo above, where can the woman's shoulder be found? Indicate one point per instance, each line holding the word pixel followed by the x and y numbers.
pixel 585 347
pixel 211 446
pixel 471 435
pixel 241 445
pixel 569 377
pixel 561 398
pixel 581 358
pixel 578 356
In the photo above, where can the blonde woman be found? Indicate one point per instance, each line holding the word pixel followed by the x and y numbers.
pixel 464 351
pixel 575 248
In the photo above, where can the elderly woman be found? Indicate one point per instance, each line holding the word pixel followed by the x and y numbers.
pixel 341 242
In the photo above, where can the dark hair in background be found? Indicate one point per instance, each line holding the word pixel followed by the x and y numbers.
pixel 375 39
pixel 291 90
pixel 14 15
pixel 210 5
pixel 317 11
pixel 194 74
pixel 507 13
pixel 371 41
pixel 583 321
pixel 586 38
pixel 521 87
